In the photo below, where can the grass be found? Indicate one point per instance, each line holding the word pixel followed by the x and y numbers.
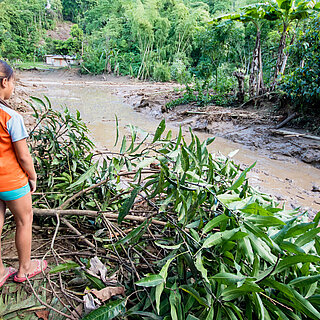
pixel 29 65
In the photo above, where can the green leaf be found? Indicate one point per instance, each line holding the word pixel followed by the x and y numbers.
pixel 163 273
pixel 150 281
pixel 307 237
pixel 255 208
pixel 228 278
pixel 265 221
pixel 117 130
pixel 127 205
pixel 40 101
pixel 232 292
pixel 305 306
pixel 219 237
pixel 134 234
pixel 69 265
pixel 84 176
pixel 315 299
pixel 195 294
pixel 304 281
pixel 287 262
pixel 241 178
pixel 95 282
pixel 159 131
pixel 201 268
pixel 214 223
pixel 110 311
pixel 123 145
pixel 175 303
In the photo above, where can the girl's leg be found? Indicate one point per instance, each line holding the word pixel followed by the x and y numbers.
pixel 2 214
pixel 23 216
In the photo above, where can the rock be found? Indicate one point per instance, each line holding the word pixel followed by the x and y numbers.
pixel 315 188
pixel 201 125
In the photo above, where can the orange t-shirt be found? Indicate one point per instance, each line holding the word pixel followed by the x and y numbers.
pixel 12 129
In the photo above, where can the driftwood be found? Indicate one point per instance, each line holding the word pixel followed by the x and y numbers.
pixel 289 118
pixel 287 133
pixel 196 112
pixel 253 99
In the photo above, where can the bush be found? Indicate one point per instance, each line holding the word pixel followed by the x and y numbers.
pixel 179 70
pixel 210 246
pixel 302 84
pixel 161 72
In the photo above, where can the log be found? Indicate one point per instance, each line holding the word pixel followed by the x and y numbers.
pixel 289 118
pixel 90 213
pixel 287 133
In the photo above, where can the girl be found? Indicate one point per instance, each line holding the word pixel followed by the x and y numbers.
pixel 18 181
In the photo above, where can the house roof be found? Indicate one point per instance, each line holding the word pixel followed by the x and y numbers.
pixel 60 57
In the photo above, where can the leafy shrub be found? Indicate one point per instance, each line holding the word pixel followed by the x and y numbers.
pixel 222 249
pixel 161 72
pixel 302 84
pixel 179 70
pixel 61 150
pixel 201 94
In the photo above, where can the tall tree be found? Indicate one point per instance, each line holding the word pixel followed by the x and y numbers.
pixel 288 11
pixel 255 14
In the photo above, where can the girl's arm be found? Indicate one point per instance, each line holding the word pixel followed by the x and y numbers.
pixel 26 162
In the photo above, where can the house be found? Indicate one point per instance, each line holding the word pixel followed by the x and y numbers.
pixel 61 61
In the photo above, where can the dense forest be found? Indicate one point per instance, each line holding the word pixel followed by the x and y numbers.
pixel 221 45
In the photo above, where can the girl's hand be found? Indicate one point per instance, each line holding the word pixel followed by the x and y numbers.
pixel 33 185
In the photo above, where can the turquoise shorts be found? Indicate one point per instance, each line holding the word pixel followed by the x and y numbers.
pixel 15 194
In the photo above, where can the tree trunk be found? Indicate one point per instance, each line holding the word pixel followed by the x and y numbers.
pixel 240 77
pixel 281 59
pixel 256 84
pixel 284 62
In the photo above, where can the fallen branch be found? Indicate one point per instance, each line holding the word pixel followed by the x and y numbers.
pixel 289 118
pixel 255 98
pixel 89 213
pixel 287 133
pixel 45 304
pixel 80 193
pixel 77 232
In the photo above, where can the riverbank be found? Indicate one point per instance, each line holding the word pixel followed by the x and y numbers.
pixel 98 98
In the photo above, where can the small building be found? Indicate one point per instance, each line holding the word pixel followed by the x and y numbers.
pixel 61 61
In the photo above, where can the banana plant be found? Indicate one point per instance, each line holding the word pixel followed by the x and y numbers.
pixel 253 13
pixel 288 11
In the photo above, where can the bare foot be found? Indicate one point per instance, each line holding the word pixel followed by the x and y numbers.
pixel 6 274
pixel 3 272
pixel 28 270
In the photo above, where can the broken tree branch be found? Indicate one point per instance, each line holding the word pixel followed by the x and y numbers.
pixel 289 118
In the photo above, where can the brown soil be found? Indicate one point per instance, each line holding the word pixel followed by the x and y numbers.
pixel 61 31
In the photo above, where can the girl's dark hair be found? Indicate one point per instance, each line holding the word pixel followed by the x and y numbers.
pixel 5 71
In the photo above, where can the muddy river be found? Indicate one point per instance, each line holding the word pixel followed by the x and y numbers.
pixel 289 180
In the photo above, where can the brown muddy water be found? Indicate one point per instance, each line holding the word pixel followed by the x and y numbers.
pixel 288 180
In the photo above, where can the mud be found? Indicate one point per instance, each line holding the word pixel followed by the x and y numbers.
pixel 251 127
pixel 279 171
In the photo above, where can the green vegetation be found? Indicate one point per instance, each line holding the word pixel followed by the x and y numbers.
pixel 210 246
pixel 23 25
pixel 245 46
pixel 302 83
